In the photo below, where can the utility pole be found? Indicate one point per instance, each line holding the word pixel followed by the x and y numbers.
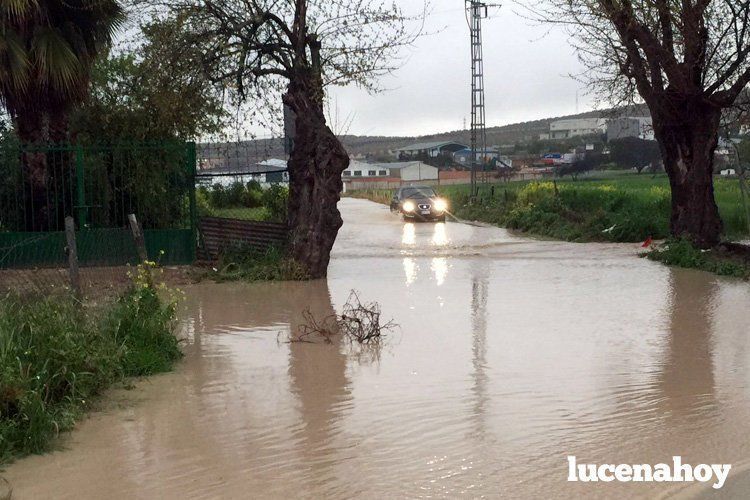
pixel 476 11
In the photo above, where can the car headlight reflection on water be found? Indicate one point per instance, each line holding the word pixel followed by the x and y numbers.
pixel 441 205
pixel 409 206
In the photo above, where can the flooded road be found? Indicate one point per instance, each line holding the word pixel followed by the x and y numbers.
pixel 511 355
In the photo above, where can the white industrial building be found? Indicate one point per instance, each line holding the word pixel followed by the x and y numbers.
pixel 576 127
pixel 412 171
pixel 405 170
pixel 359 169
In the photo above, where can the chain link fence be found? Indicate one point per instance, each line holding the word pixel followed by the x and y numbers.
pixel 98 187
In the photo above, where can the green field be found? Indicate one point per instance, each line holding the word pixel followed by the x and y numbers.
pixel 604 206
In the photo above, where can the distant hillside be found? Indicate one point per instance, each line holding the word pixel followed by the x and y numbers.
pixel 506 134
pixel 261 149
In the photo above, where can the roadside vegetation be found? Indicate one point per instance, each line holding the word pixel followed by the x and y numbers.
pixel 56 354
pixel 246 201
pixel 245 263
pixel 721 260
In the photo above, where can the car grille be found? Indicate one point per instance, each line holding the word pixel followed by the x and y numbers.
pixel 424 206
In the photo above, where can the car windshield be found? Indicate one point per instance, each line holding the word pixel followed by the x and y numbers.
pixel 417 192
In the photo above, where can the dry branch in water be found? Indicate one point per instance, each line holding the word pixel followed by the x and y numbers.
pixel 312 328
pixel 359 322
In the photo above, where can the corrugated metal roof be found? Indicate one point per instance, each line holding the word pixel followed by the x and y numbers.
pixel 420 146
pixel 398 165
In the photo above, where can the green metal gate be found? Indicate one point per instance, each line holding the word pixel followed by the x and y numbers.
pixel 99 185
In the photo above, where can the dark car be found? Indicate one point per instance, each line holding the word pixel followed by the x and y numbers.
pixel 419 203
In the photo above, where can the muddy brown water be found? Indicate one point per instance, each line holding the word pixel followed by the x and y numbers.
pixel 511 355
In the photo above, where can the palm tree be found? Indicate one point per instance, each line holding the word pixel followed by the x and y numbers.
pixel 47 49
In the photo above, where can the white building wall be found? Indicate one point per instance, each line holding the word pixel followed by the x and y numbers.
pixel 358 169
pixel 562 129
pixel 418 172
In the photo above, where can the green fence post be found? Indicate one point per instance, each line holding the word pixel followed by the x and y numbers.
pixel 191 166
pixel 80 189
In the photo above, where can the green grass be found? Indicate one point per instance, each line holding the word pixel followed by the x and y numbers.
pixel 681 253
pixel 57 354
pixel 256 214
pixel 243 201
pixel 604 206
pixel 242 263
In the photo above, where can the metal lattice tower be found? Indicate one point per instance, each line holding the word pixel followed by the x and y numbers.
pixel 476 11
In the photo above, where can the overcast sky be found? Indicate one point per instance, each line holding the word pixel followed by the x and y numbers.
pixel 526 77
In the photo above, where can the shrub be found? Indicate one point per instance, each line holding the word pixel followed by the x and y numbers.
pixel 681 253
pixel 202 204
pixel 233 201
pixel 253 264
pixel 275 199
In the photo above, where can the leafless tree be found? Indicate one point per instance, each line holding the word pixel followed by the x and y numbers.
pixel 255 48
pixel 688 61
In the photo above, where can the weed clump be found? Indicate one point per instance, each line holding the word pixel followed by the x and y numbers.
pixel 56 354
pixel 681 253
pixel 253 264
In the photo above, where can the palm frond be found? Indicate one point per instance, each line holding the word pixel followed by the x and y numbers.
pixel 17 9
pixel 57 65
pixel 14 62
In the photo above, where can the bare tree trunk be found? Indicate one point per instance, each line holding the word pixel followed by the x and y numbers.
pixel 317 160
pixel 37 131
pixel 688 142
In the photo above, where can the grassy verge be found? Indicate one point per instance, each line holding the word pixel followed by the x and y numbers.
pixel 252 264
pixel 56 354
pixel 681 253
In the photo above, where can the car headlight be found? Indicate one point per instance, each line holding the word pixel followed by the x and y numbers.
pixel 409 206
pixel 441 205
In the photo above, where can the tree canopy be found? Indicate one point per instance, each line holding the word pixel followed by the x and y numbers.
pixel 253 48
pixel 634 152
pixel 150 92
pixel 47 48
pixel 660 48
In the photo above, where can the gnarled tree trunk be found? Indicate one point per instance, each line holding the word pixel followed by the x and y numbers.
pixel 688 138
pixel 315 166
pixel 31 132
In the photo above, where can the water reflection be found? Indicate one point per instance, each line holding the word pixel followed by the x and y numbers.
pixel 440 237
pixel 317 374
pixel 409 234
pixel 440 269
pixel 480 273
pixel 438 266
pixel 410 270
pixel 686 381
